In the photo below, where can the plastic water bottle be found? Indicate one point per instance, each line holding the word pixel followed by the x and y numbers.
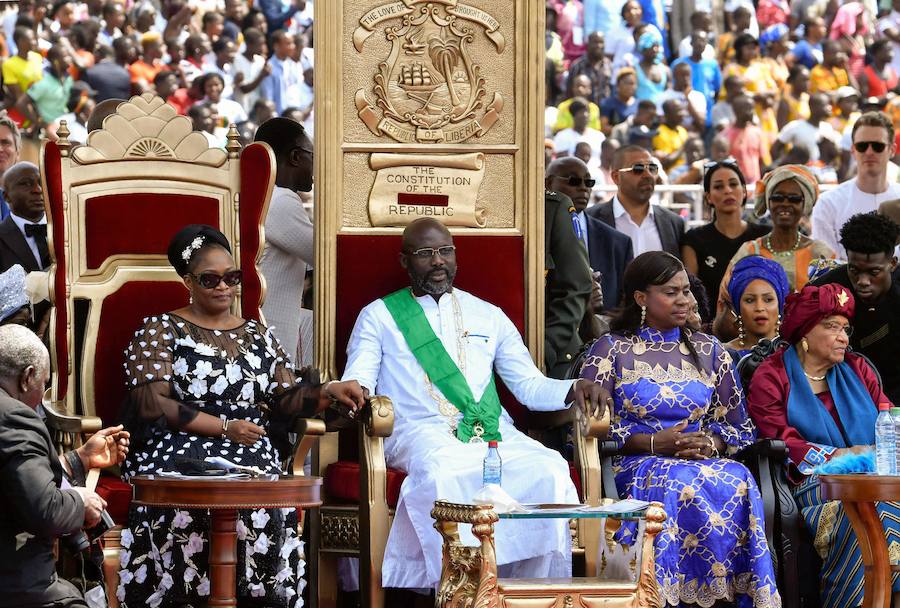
pixel 885 442
pixel 493 465
pixel 895 412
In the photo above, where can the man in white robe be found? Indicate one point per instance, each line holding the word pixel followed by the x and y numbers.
pixel 479 338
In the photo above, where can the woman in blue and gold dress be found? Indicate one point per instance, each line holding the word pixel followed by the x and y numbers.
pixel 678 410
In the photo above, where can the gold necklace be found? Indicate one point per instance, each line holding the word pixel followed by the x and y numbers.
pixel 768 244
pixel 813 378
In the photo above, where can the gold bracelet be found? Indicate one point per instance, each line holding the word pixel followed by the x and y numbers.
pixel 652 451
pixel 224 428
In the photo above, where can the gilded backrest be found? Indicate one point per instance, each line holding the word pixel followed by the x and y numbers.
pixel 113 206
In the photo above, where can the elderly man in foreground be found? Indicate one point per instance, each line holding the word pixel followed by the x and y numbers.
pixel 432 349
pixel 40 502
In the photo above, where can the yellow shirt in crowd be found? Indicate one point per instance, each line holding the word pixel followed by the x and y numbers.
pixel 23 72
pixel 669 140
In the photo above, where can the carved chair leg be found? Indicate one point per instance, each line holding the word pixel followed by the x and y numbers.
pixel 648 591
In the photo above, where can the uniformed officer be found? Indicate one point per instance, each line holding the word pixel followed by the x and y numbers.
pixel 567 284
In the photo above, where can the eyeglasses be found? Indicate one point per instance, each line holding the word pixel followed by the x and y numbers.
pixel 836 328
pixel 426 253
pixel 210 280
pixel 778 197
pixel 575 181
pixel 639 168
pixel 877 146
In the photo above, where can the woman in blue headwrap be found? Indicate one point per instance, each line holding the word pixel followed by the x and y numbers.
pixel 652 72
pixel 757 288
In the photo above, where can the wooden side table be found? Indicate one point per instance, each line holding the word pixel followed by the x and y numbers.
pixel 859 493
pixel 223 498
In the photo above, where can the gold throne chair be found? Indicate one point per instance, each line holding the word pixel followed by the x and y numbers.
pixel 112 207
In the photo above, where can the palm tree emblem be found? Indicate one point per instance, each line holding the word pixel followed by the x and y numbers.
pixel 445 56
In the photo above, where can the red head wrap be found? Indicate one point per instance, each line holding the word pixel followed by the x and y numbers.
pixel 804 310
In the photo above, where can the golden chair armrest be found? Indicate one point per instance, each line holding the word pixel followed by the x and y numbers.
pixel 589 430
pixel 67 423
pixel 595 427
pixel 309 430
pixel 378 417
pixel 374 514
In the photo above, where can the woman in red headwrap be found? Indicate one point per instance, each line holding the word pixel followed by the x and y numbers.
pixel 822 402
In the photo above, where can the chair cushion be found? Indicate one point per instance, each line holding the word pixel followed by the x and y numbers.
pixel 342 482
pixel 117 495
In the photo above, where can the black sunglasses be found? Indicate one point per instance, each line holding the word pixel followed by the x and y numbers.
pixel 210 280
pixel 639 168
pixel 779 197
pixel 729 162
pixel 877 146
pixel 575 181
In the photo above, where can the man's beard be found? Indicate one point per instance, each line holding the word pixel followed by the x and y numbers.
pixel 423 284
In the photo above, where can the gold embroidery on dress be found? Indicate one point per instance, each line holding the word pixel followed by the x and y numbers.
pixel 655 373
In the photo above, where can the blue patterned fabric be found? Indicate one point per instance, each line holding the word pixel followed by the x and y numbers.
pixel 835 542
pixel 713 546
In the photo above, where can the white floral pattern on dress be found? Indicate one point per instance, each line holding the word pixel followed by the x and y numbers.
pixel 164 557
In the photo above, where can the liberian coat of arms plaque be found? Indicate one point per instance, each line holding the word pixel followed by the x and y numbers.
pixel 429 89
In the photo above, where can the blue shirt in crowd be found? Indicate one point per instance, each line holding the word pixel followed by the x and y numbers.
pixel 807 54
pixel 706 77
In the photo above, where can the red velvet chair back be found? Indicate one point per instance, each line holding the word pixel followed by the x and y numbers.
pixel 113 206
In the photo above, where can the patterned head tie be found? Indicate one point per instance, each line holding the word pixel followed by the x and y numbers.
pixel 189 241
pixel 12 292
pixel 808 183
pixel 753 268
pixel 806 309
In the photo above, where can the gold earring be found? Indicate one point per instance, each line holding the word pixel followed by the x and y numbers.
pixel 643 315
pixel 741 330
pixel 805 345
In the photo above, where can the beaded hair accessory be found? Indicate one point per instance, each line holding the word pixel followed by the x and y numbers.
pixel 194 245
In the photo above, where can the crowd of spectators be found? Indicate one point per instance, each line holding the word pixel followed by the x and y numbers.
pixel 216 62
pixel 767 82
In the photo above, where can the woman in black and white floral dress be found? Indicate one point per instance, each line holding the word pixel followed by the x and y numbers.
pixel 199 381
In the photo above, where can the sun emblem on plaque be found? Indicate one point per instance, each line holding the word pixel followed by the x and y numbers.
pixel 429 89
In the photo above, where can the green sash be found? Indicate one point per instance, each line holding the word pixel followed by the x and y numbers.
pixel 480 418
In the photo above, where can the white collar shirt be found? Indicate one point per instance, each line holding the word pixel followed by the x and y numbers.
pixel 32 244
pixel 644 237
pixel 582 223
pixel 379 358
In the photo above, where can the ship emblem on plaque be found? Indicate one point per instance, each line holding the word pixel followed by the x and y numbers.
pixel 429 89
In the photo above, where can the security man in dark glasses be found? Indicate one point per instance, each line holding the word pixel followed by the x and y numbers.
pixel 567 283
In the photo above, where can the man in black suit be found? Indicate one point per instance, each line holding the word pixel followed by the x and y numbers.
pixel 609 251
pixel 36 509
pixel 650 227
pixel 23 235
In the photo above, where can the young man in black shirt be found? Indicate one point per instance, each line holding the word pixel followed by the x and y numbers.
pixel 871 275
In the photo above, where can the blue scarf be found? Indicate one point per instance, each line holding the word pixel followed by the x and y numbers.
pixel 807 414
